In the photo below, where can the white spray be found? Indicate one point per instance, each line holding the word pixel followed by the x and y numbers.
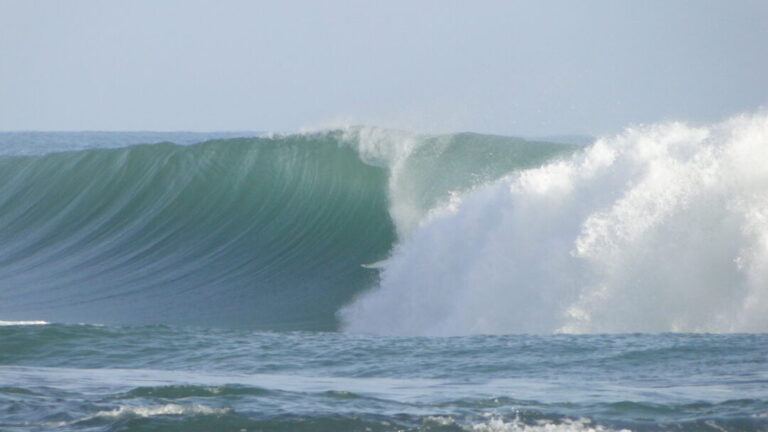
pixel 663 228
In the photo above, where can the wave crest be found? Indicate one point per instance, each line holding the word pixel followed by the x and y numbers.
pixel 273 232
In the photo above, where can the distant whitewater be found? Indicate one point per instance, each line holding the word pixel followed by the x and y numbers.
pixel 661 228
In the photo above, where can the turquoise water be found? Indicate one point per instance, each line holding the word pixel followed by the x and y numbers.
pixel 364 279
pixel 269 232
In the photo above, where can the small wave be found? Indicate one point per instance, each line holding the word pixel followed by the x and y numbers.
pixel 22 323
pixel 161 410
pixel 188 391
pixel 498 424
pixel 18 391
pixel 133 412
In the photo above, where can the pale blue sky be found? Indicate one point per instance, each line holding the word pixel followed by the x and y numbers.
pixel 509 67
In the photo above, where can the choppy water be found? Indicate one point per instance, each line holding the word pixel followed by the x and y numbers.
pixel 151 378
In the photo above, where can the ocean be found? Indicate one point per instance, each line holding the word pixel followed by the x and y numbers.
pixel 368 279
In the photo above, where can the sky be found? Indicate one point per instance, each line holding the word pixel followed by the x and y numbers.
pixel 507 67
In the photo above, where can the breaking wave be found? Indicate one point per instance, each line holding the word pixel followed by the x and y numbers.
pixel 661 228
pixel 273 232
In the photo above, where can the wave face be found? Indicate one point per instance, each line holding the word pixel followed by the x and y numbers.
pixel 265 232
pixel 262 232
pixel 662 228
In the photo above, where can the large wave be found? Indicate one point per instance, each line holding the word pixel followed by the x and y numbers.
pixel 265 232
pixel 662 228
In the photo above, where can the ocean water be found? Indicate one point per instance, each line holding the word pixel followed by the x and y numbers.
pixel 364 279
pixel 161 378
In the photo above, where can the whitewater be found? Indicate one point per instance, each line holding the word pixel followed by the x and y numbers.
pixel 369 279
pixel 663 228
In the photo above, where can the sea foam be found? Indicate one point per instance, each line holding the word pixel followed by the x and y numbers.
pixel 160 410
pixel 661 228
pixel 22 323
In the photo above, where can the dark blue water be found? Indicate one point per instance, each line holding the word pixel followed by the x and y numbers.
pixel 160 378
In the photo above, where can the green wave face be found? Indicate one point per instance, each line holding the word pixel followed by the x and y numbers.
pixel 261 232
pixel 440 167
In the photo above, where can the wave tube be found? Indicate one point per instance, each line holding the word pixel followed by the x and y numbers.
pixel 272 233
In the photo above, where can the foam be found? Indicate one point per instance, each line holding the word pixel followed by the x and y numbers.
pixel 661 228
pixel 160 410
pixel 22 323
pixel 496 424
